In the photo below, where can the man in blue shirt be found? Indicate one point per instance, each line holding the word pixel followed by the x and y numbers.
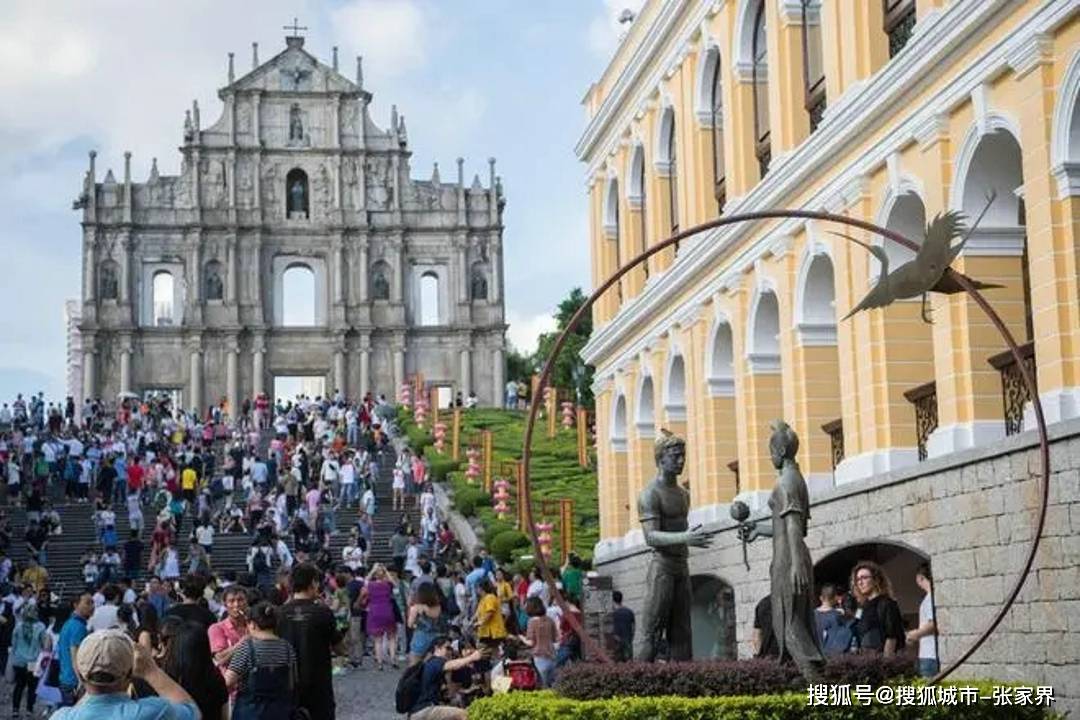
pixel 428 705
pixel 71 635
pixel 106 662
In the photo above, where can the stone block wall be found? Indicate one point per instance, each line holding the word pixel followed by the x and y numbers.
pixel 972 514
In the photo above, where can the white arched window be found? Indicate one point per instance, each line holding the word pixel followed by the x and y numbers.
pixel 764 353
pixel 675 387
pixel 721 362
pixel 760 77
pixel 816 318
pixel 298 298
pixel 813 64
pixel 163 295
pixel 645 418
pixel 716 108
pixel 618 425
pixel 429 299
pixel 637 190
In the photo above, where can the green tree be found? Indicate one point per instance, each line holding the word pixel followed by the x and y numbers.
pixel 519 366
pixel 570 371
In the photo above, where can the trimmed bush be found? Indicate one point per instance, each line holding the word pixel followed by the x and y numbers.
pixel 468 498
pixel 439 466
pixel 593 681
pixel 789 706
pixel 503 545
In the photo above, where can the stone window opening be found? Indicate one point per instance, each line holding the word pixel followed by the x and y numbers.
pixel 900 17
pixel 429 299
pixel 297 195
pixel 298 296
pixel 162 293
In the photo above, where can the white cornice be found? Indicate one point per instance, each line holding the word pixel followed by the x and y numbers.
pixel 961 24
pixel 763 363
pixel 1037 50
pixel 816 334
pixel 630 80
pixel 1067 176
pixel 995 242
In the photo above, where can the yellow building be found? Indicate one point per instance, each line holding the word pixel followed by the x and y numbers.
pixel 891 111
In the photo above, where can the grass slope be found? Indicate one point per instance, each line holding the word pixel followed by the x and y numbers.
pixel 555 474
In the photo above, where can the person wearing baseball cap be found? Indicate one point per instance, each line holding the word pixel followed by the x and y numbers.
pixel 106 662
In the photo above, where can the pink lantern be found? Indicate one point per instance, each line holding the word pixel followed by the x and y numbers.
pixel 472 471
pixel 420 412
pixel 568 414
pixel 440 437
pixel 543 535
pixel 502 496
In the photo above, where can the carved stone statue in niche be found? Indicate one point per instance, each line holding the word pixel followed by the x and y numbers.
pixel 215 288
pixel 380 284
pixel 296 183
pixel 352 185
pixel 479 284
pixel 352 119
pixel 323 187
pixel 245 184
pixel 213 183
pixel 109 285
pixel 269 186
pixel 296 124
pixel 184 186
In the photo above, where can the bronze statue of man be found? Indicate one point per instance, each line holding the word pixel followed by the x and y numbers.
pixel 791 573
pixel 663 507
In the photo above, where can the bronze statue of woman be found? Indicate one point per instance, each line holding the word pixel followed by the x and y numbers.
pixel 791 573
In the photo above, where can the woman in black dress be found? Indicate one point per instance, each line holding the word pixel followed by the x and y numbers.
pixel 879 626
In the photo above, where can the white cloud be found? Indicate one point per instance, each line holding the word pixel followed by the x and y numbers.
pixel 395 34
pixel 605 30
pixel 525 330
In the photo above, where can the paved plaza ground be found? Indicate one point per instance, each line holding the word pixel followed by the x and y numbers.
pixel 366 694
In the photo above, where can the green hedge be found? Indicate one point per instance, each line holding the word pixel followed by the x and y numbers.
pixel 792 706
pixel 503 545
pixel 467 499
pixel 439 466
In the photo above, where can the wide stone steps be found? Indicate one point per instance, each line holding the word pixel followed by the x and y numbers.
pixel 230 550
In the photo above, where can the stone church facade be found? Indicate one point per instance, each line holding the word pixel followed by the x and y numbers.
pixel 183 276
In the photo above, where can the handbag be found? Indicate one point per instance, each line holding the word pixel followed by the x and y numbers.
pixel 48 694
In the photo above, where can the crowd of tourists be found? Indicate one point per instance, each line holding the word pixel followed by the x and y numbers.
pixel 154 621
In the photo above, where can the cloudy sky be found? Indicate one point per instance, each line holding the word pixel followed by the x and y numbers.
pixel 474 78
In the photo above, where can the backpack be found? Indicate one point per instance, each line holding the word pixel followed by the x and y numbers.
pixel 523 675
pixel 408 688
pixel 259 563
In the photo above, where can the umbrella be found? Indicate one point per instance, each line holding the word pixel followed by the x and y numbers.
pixel 127 395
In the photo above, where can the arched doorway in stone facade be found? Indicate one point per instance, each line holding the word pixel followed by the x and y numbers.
pixel 899 561
pixel 712 618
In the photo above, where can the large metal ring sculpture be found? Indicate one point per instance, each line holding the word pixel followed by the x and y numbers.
pixel 545 375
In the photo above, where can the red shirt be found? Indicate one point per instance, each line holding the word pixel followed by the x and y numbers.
pixel 135 475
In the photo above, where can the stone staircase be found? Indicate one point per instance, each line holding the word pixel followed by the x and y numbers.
pixel 230 550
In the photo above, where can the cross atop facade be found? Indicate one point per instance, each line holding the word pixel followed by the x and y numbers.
pixel 294 27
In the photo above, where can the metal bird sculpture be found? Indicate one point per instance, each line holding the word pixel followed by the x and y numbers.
pixel 928 271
